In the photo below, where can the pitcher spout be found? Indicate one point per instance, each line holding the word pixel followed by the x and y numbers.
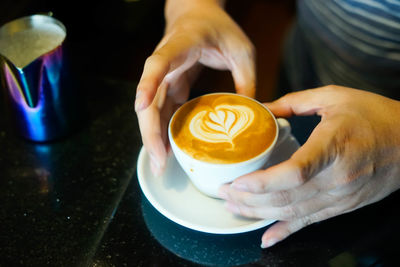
pixel 23 84
pixel 39 95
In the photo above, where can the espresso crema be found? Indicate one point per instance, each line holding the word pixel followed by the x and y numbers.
pixel 223 128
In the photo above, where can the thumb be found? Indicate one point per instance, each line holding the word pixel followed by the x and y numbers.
pixel 284 229
pixel 314 156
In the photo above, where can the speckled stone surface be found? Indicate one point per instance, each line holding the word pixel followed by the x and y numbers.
pixel 77 202
pixel 140 236
pixel 58 198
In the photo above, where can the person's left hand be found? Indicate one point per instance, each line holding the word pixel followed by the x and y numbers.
pixel 351 159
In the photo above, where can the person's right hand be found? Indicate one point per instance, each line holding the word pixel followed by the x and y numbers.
pixel 350 160
pixel 196 32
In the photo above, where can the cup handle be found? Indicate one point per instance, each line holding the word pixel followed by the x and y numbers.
pixel 284 130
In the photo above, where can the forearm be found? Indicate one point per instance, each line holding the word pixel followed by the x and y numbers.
pixel 175 8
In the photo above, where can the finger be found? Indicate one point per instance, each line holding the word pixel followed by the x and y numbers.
pixel 285 213
pixel 314 156
pixel 171 57
pixel 178 93
pixel 153 133
pixel 283 229
pixel 155 69
pixel 307 102
pixel 149 123
pixel 179 88
pixel 274 199
pixel 336 206
pixel 243 68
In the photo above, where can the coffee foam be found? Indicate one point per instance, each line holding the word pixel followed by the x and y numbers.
pixel 222 124
pixel 223 128
pixel 24 46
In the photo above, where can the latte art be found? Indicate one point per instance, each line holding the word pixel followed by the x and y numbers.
pixel 223 128
pixel 222 124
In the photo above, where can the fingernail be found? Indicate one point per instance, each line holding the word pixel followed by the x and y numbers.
pixel 269 243
pixel 240 186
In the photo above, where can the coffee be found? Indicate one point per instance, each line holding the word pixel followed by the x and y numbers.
pixel 223 128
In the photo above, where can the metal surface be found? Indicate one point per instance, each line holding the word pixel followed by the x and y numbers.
pixel 39 99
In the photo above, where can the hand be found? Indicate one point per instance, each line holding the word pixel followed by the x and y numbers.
pixel 351 159
pixel 196 32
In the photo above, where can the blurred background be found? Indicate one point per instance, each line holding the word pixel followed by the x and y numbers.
pixel 96 29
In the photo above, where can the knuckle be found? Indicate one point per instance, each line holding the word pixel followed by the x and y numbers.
pixel 348 179
pixel 250 50
pixel 246 211
pixel 290 212
pixel 288 96
pixel 231 195
pixel 241 197
pixel 182 28
pixel 354 203
pixel 155 58
pixel 280 198
pixel 347 183
pixel 244 51
pixel 301 173
pixel 325 214
pixel 260 184
pixel 238 197
pixel 307 220
pixel 251 200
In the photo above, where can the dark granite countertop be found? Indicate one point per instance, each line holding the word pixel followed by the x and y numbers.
pixel 77 202
pixel 58 198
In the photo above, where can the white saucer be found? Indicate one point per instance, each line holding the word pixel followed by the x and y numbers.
pixel 174 196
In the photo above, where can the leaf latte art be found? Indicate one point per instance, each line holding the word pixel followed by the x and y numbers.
pixel 222 124
pixel 222 128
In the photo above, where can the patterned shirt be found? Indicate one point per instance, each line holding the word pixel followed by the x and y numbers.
pixel 354 43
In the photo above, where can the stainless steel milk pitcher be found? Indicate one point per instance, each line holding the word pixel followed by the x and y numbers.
pixel 35 80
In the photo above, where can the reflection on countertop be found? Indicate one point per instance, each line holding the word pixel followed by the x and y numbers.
pixel 58 198
pixel 77 202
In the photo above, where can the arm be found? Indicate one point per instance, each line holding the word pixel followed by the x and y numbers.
pixel 172 12
pixel 197 32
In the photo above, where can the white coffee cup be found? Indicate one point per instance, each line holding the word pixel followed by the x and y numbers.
pixel 208 177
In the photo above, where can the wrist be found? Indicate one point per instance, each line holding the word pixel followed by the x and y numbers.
pixel 176 8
